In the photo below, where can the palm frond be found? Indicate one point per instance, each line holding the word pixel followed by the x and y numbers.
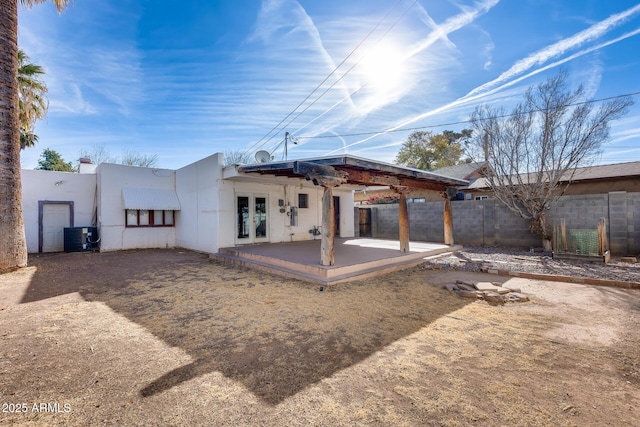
pixel 59 4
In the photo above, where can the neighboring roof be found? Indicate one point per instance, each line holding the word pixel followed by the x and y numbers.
pixel 150 199
pixel 463 171
pixel 618 170
pixel 599 172
pixel 361 172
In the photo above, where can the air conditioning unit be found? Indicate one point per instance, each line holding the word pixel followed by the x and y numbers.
pixel 78 239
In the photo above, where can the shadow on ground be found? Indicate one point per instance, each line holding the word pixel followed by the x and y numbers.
pixel 275 336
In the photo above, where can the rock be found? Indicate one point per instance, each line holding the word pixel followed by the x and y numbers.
pixel 467 294
pixel 466 287
pixel 518 297
pixel 485 286
pixel 451 287
pixel 512 288
pixel 493 298
pixel 462 282
pixel 502 290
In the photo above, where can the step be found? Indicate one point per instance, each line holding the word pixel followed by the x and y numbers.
pixel 352 275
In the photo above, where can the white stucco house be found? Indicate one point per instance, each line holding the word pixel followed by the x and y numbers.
pixel 206 205
pixel 202 206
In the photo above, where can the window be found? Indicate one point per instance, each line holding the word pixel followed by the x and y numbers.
pixel 482 197
pixel 147 218
pixel 303 200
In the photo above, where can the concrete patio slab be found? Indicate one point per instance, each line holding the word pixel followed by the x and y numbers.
pixel 354 258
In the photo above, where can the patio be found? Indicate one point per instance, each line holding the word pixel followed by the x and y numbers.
pixel 355 258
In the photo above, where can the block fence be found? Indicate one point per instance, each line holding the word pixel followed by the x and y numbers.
pixel 489 223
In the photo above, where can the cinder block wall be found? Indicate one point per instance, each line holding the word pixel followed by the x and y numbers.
pixel 489 223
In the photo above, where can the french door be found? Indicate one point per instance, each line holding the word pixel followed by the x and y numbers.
pixel 252 220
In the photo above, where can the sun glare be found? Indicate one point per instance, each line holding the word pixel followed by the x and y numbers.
pixel 382 68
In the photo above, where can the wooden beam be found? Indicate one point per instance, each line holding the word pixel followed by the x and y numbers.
pixel 328 228
pixel 448 221
pixel 363 177
pixel 320 174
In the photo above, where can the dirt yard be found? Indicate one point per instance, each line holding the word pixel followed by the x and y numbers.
pixel 167 337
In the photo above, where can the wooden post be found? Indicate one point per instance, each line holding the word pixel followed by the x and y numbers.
pixel 602 236
pixel 403 218
pixel 328 227
pixel 328 177
pixel 448 220
pixel 563 232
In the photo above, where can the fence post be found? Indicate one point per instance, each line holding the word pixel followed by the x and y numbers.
pixel 602 236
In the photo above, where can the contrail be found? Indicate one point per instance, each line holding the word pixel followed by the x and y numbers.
pixel 484 90
pixel 557 49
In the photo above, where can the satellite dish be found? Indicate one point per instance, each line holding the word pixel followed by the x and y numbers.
pixel 263 156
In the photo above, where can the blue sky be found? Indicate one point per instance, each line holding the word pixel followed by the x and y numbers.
pixel 184 80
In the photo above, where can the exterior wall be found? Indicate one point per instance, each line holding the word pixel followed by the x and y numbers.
pixel 39 185
pixel 347 224
pixel 199 222
pixel 207 219
pixel 111 212
pixel 489 223
pixel 630 185
pixel 279 228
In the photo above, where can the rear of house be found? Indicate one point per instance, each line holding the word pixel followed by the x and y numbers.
pixel 202 206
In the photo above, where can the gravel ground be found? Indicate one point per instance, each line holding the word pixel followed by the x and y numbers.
pixel 471 258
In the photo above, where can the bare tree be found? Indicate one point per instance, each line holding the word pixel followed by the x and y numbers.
pixel 534 151
pixel 133 158
pixel 98 154
pixel 232 157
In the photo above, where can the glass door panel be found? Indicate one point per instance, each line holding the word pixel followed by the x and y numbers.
pixel 243 217
pixel 260 217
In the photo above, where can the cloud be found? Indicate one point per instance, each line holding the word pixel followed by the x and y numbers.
pixel 490 88
pixel 73 102
pixel 438 32
pixel 87 65
pixel 557 49
pixel 441 31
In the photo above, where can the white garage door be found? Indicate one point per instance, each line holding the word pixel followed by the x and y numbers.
pixel 55 217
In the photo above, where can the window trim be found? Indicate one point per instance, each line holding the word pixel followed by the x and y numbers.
pixel 304 205
pixel 152 219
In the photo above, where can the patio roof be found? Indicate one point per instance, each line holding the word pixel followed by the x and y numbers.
pixel 359 171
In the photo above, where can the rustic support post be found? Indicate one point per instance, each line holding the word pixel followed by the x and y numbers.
pixel 563 234
pixel 328 227
pixel 602 236
pixel 403 217
pixel 327 177
pixel 448 220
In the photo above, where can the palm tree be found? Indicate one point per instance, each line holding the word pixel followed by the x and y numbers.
pixel 32 98
pixel 13 246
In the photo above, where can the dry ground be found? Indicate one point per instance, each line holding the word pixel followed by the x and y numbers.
pixel 167 337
